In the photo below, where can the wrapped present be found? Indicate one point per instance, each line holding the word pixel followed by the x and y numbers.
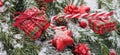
pixel 31 22
pixel 1 4
pixel 62 39
pixel 81 49
pixel 102 23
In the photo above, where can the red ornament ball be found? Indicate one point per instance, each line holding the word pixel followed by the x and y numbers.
pixel 84 9
pixel 112 52
pixel 83 23
pixel 1 4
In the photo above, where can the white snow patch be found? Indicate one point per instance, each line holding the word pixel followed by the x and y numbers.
pixel 5 27
pixel 18 36
pixel 92 4
pixel 118 42
pixel 2 51
pixel 18 45
pixel 42 52
pixel 3 8
pixel 1 45
pixel 94 38
pixel 75 2
pixel 60 1
pixel 111 38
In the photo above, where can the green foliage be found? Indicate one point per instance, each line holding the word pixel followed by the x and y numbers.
pixel 29 48
pixel 99 46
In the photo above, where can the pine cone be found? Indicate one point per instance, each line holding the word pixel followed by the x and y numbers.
pixel 42 4
pixel 60 22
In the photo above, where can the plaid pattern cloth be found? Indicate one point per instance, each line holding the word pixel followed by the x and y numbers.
pixel 32 23
pixel 102 26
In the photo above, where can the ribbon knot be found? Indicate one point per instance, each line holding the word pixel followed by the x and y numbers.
pixel 22 17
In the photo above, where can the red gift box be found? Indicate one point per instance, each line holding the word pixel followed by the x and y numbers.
pixel 100 25
pixel 31 22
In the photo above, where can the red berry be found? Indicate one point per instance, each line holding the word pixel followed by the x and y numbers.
pixel 83 24
pixel 1 4
pixel 49 1
pixel 84 9
pixel 112 52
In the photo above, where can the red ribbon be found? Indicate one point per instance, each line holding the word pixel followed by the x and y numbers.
pixel 72 9
pixel 81 49
pixel 22 17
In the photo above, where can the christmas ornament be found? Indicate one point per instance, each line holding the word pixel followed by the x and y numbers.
pixel 42 4
pixel 112 52
pixel 81 49
pixel 31 22
pixel 50 1
pixel 83 23
pixel 1 4
pixel 84 9
pixel 62 39
pixel 101 23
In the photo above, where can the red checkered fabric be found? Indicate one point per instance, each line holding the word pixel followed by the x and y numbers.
pixel 102 26
pixel 32 23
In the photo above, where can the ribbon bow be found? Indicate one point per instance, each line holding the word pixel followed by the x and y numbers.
pixel 72 9
pixel 81 49
pixel 23 17
pixel 28 17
